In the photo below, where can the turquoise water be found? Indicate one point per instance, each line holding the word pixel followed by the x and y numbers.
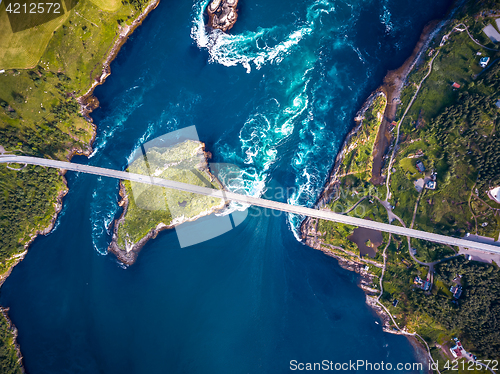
pixel 276 98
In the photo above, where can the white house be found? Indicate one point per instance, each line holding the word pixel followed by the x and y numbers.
pixel 494 194
pixel 483 62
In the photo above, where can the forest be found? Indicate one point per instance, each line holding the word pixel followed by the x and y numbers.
pixel 476 314
pixel 8 356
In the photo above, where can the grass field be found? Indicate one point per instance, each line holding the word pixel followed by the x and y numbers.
pixel 359 159
pixel 108 5
pixel 457 62
pixel 47 67
pixel 23 49
pixel 454 133
pixel 88 28
pixel 149 206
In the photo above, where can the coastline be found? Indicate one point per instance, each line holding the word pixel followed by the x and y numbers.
pixel 87 103
pixel 129 256
pixel 333 181
pixel 392 86
pixel 13 329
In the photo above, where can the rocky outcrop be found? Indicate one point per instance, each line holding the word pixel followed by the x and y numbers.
pixel 222 14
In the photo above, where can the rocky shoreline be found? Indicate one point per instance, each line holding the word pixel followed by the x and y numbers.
pixel 391 88
pixel 128 256
pixel 333 180
pixel 87 103
pixel 13 329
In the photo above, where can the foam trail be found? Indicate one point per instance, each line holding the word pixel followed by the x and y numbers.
pixel 276 121
pixel 255 48
pixel 115 122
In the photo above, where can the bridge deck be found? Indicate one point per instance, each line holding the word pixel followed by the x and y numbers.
pixel 231 196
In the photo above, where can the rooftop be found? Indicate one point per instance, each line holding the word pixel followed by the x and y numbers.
pixel 483 62
pixel 494 194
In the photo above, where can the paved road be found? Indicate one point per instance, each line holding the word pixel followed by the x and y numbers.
pixel 300 210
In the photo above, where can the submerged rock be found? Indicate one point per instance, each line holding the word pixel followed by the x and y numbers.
pixel 222 14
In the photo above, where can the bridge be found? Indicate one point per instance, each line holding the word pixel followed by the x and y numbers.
pixel 231 196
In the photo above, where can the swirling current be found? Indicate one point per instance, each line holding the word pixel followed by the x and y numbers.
pixel 275 96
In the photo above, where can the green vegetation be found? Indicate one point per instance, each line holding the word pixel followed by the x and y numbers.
pixel 8 355
pixel 39 115
pixel 477 314
pixel 27 199
pixel 23 49
pixel 455 134
pixel 358 158
pixel 354 174
pixel 47 67
pixel 149 206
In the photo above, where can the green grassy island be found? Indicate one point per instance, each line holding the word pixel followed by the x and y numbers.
pixel 149 209
pixel 438 171
pixel 435 177
pixel 49 67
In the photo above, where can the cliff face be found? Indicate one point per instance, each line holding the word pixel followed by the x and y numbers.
pixel 222 14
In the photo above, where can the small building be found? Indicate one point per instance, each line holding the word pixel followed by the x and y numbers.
pixel 456 291
pixel 494 194
pixel 427 286
pixel 455 85
pixel 468 257
pixel 483 62
pixel 420 166
pixel 456 350
pixel 418 280
pixel 395 303
pixel 431 185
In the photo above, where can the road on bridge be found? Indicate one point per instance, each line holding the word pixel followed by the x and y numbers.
pixel 231 196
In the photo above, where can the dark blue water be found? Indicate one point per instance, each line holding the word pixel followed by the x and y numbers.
pixel 276 97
